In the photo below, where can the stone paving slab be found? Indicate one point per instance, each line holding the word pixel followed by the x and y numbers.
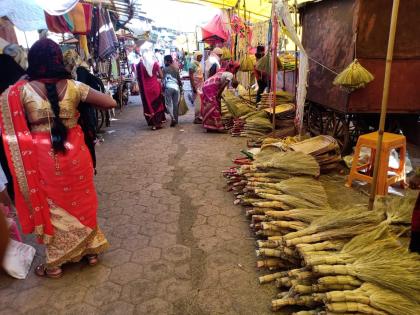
pixel 178 244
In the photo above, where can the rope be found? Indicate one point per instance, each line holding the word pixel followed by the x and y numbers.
pixel 323 66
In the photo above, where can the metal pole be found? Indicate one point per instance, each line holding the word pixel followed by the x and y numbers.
pixel 274 40
pixel 385 95
pixel 26 40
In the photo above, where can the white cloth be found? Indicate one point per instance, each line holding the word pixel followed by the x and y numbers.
pixel 26 15
pixel 227 76
pixel 18 259
pixel 133 58
pixel 3 180
pixel 57 7
pixel 283 12
pixel 159 58
pixel 213 59
pixel 148 61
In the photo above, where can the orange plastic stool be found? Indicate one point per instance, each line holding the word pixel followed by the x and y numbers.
pixel 364 172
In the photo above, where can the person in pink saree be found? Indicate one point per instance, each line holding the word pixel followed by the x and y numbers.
pixel 212 94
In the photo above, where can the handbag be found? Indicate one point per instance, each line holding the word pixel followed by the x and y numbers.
pixel 183 108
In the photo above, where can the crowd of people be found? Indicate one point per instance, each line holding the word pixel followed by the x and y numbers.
pixel 161 87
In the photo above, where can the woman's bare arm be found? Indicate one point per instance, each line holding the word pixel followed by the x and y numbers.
pixel 100 100
pixel 222 88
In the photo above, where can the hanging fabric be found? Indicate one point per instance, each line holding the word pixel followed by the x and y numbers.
pixel 81 16
pixel 284 13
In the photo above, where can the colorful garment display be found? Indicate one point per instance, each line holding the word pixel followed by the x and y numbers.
pixel 81 16
pixel 77 21
pixel 108 42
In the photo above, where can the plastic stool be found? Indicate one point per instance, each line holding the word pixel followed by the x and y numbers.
pixel 364 172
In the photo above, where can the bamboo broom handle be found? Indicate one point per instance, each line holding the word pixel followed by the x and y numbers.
pixel 272 277
pixel 347 296
pixel 331 287
pixel 348 280
pixel 302 300
pixel 385 96
pixel 353 307
pixel 333 270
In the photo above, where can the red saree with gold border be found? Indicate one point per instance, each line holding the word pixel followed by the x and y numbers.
pixel 55 193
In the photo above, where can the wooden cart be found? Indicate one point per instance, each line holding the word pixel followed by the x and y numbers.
pixel 337 31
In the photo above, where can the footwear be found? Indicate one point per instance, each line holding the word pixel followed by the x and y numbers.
pixel 93 260
pixel 53 273
pixel 173 123
pixel 198 121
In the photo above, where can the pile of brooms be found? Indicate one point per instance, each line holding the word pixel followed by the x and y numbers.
pixel 323 260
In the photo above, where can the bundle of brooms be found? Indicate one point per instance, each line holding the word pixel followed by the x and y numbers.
pixel 327 261
pixel 252 124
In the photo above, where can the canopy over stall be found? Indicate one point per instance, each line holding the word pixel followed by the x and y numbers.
pixel 259 10
pixel 215 31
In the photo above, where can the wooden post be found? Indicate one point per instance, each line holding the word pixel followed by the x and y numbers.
pixel 274 41
pixel 296 59
pixel 385 95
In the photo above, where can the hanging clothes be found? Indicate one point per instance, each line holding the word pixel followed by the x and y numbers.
pixel 103 37
pixel 81 16
pixel 57 24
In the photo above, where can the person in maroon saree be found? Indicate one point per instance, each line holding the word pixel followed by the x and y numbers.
pixel 148 73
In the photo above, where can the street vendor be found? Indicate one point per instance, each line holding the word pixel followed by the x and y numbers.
pixel 261 77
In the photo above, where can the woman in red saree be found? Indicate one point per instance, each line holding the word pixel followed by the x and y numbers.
pixel 212 94
pixel 148 72
pixel 51 166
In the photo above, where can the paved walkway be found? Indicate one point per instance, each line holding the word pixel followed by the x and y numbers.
pixel 179 245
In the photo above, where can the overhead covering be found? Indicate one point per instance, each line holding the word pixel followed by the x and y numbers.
pixel 26 15
pixel 57 7
pixel 260 10
pixel 215 30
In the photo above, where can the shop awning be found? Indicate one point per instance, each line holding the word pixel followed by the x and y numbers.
pixel 260 10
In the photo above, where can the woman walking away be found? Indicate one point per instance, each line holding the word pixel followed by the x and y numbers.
pixel 196 81
pixel 148 72
pixel 51 166
pixel 173 88
pixel 212 95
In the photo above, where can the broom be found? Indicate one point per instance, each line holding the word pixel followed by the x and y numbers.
pixel 349 217
pixel 395 269
pixel 296 163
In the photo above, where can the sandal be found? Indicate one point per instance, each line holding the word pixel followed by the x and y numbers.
pixel 53 273
pixel 93 260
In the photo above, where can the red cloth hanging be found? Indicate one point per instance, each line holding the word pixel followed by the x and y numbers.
pixel 214 31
